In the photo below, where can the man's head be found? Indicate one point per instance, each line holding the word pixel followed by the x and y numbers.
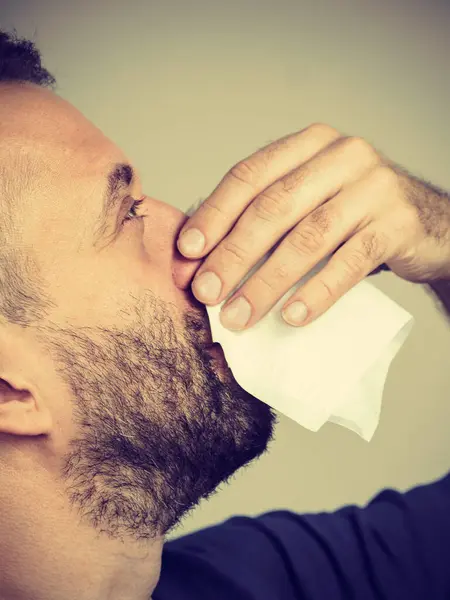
pixel 109 398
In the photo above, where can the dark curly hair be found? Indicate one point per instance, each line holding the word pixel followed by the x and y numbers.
pixel 20 61
pixel 23 300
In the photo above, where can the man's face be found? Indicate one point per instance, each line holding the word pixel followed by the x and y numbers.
pixel 144 423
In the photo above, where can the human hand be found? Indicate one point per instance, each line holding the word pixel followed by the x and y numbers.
pixel 313 193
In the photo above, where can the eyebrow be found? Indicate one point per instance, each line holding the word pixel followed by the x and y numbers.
pixel 120 178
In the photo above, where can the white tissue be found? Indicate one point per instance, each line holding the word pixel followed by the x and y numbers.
pixel 333 369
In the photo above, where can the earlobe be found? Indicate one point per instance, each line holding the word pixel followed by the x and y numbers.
pixel 21 414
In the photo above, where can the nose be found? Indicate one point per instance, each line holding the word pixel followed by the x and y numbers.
pixel 170 221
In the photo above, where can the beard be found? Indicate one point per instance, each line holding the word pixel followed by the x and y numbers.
pixel 157 428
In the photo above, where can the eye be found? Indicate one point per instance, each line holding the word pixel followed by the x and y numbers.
pixel 134 217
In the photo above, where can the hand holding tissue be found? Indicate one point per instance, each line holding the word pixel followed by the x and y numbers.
pixel 306 219
pixel 333 369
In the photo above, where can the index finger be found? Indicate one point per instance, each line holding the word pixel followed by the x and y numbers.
pixel 244 181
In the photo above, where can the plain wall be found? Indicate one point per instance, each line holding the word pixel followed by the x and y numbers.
pixel 188 89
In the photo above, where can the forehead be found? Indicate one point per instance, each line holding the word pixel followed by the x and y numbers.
pixel 43 129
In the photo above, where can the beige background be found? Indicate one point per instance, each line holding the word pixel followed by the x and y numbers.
pixel 189 88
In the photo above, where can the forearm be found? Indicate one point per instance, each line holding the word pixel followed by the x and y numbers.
pixel 395 547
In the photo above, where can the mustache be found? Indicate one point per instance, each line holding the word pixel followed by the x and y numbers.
pixel 198 326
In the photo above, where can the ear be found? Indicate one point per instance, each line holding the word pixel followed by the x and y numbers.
pixel 21 413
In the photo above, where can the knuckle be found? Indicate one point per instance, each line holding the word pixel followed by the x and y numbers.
pixel 275 147
pixel 321 219
pixel 385 178
pixel 294 179
pixel 281 272
pixel 356 142
pixel 246 172
pixel 237 252
pixel 306 240
pixel 211 208
pixel 267 282
pixel 355 261
pixel 327 292
pixel 361 148
pixel 323 130
pixel 273 204
pixel 373 246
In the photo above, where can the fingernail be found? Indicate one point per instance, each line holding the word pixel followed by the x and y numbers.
pixel 295 313
pixel 191 242
pixel 207 286
pixel 236 314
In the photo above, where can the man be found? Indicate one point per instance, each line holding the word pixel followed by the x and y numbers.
pixel 115 416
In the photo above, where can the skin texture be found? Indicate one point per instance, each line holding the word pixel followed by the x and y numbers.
pixel 114 419
pixel 313 194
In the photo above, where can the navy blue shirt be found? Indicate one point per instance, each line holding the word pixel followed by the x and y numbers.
pixel 395 548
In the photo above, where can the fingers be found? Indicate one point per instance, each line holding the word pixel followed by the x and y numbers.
pixel 313 239
pixel 295 199
pixel 347 267
pixel 219 213
pixel 379 269
pixel 303 195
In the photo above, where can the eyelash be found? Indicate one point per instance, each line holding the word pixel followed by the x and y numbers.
pixel 133 207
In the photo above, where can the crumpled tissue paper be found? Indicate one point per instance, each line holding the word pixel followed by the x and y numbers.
pixel 333 369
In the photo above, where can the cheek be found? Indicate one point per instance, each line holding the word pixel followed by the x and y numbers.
pixel 157 235
pixel 157 272
pixel 151 268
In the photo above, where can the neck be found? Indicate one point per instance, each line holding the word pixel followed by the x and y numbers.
pixel 48 554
